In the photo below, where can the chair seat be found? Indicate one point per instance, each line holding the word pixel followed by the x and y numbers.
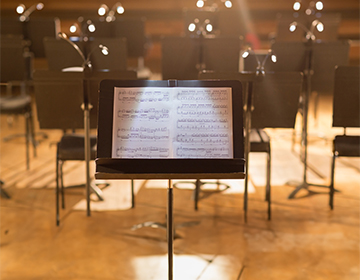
pixel 15 104
pixel 347 145
pixel 259 141
pixel 71 147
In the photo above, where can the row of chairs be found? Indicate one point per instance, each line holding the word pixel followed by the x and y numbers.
pixel 261 137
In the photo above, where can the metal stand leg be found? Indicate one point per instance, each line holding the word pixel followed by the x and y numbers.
pixel 4 194
pixel 170 230
pixel 132 194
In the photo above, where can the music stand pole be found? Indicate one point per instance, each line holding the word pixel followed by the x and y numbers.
pixel 87 148
pixel 170 230
pixel 308 72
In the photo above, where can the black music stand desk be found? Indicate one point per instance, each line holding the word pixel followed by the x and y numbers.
pixel 170 130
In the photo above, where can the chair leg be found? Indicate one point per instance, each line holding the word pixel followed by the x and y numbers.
pixel 61 176
pixel 197 191
pixel 32 132
pixel 57 193
pixel 268 184
pixel 27 138
pixel 332 189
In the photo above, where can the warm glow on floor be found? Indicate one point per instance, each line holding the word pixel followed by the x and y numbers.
pixel 189 267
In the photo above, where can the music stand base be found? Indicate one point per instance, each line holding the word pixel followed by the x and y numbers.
pixel 305 185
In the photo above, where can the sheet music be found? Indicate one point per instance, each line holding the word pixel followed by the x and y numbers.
pixel 172 122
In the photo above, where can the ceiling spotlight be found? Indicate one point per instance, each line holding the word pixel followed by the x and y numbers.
pixel 20 9
pixel 103 10
pixel 228 4
pixel 209 27
pixel 192 27
pixel 73 28
pixel 319 5
pixel 297 6
pixel 200 3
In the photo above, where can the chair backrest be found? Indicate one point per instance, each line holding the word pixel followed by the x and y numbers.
pixel 275 96
pixel 116 60
pixel 60 54
pixel 14 56
pixel 59 96
pixel 346 101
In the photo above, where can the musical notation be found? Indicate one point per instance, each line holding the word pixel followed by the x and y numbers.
pixel 203 152
pixel 202 95
pixel 145 114
pixel 140 96
pixel 204 138
pixel 143 133
pixel 142 152
pixel 172 122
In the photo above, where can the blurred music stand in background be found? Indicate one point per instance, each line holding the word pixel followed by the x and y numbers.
pixel 310 57
pixel 216 54
pixel 80 86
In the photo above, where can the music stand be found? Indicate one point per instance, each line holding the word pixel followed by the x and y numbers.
pixel 313 53
pixel 60 54
pixel 271 101
pixel 116 60
pixel 196 155
pixel 217 54
pixel 54 90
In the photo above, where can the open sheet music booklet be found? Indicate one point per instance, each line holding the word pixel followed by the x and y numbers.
pixel 172 122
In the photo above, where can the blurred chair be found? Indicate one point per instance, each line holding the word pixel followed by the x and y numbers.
pixel 16 67
pixel 346 113
pixel 59 100
pixel 271 102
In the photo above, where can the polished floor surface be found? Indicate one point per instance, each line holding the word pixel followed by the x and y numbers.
pixel 303 240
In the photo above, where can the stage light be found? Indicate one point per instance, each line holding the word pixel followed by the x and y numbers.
pixel 73 28
pixel 297 6
pixel 292 27
pixel 20 9
pixel 192 27
pixel 91 26
pixel 200 3
pixel 320 27
pixel 104 49
pixel 103 10
pixel 209 27
pixel 228 4
pixel 273 58
pixel 245 54
pixel 120 9
pixel 319 5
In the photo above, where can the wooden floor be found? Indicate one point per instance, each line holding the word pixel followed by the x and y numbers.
pixel 303 240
